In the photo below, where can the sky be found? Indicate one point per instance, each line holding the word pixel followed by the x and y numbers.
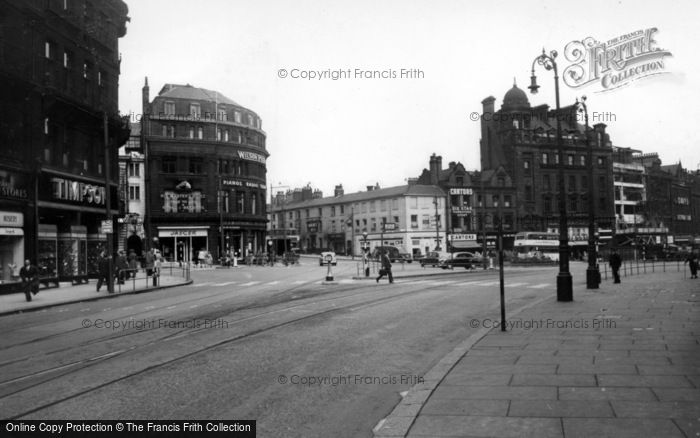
pixel 359 130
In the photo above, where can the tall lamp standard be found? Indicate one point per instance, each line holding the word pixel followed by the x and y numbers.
pixel 592 273
pixel 564 280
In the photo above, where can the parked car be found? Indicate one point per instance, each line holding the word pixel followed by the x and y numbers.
pixel 327 256
pixel 406 257
pixel 391 251
pixel 432 258
pixel 464 260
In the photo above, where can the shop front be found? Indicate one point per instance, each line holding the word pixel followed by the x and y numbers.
pixel 15 226
pixel 69 241
pixel 11 245
pixel 183 244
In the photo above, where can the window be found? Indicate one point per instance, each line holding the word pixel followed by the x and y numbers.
pixel 86 70
pixel 547 204
pixel 556 158
pixel 195 111
pixel 584 182
pixel 191 132
pixel 601 161
pixel 134 169
pixel 237 116
pixel 372 207
pixel 48 49
pixel 254 205
pixel 239 137
pixel 250 120
pixel 196 165
pixel 546 182
pixel 169 165
pixel 169 108
pixel 526 164
pixel 332 210
pixel 572 183
pixel 582 160
pixel 200 133
pixel 573 203
pixel 382 205
pixel 545 158
pixel 218 134
pixel 46 126
pixel 226 135
pixel 501 182
pixel 342 209
pixel 66 59
pixel 570 160
pixel 320 212
pixel 134 193
pixel 171 131
pixel 222 114
pixel 507 199
pixel 100 78
pixel 528 193
pixel 494 200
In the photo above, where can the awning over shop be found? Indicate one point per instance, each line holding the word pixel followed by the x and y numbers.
pixel 465 244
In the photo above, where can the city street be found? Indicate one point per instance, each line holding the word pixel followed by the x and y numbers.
pixel 273 344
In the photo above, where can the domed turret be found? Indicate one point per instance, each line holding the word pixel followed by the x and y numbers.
pixel 515 100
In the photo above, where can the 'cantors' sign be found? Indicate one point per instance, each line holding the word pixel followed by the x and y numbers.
pixel 76 191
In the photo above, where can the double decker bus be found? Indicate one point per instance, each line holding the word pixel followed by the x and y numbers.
pixel 541 245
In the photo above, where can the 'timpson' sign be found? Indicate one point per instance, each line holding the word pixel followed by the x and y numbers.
pixel 67 190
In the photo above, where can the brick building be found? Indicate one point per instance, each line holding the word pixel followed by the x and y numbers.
pixel 206 173
pixel 59 70
pixel 522 141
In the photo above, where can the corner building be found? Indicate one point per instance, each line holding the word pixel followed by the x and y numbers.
pixel 59 127
pixel 206 173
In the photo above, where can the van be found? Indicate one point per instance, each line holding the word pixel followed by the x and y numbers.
pixel 391 251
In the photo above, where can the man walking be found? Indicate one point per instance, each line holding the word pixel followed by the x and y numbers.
pixel 615 263
pixel 692 262
pixel 103 270
pixel 149 262
pixel 30 279
pixel 386 268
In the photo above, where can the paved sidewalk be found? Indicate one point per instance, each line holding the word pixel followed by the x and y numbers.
pixel 16 302
pixel 622 361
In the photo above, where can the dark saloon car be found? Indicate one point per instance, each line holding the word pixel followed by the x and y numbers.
pixel 464 260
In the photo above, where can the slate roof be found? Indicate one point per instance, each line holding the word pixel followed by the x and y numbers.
pixel 176 91
pixel 389 192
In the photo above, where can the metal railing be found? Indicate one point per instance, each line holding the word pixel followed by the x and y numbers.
pixel 640 267
pixel 131 280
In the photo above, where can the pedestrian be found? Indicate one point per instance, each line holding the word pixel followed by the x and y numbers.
pixel 615 263
pixel 692 262
pixel 30 279
pixel 157 265
pixel 149 261
pixel 133 263
pixel 102 270
pixel 210 260
pixel 386 268
pixel 122 267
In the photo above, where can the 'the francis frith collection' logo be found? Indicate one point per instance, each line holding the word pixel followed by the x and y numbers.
pixel 616 62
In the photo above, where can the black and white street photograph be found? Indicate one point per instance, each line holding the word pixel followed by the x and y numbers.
pixel 371 219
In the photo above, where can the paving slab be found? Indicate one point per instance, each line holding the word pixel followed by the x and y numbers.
pixel 560 408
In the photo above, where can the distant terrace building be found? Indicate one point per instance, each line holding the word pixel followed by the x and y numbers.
pixel 206 173
pixel 415 212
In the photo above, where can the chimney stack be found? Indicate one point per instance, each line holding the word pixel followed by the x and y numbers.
pixel 338 191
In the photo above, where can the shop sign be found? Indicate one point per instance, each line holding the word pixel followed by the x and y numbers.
pixel 460 191
pixel 10 219
pixel 251 156
pixel 11 185
pixel 76 191
pixel 11 232
pixel 183 232
pixel 453 237
pixel 461 210
pixel 241 183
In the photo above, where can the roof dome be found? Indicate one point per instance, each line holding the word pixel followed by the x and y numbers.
pixel 515 99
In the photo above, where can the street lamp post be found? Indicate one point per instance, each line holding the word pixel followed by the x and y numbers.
pixel 592 272
pixel 564 280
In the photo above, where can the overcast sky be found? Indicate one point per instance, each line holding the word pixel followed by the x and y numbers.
pixel 359 131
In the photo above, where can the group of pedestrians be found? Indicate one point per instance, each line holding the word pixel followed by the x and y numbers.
pixel 616 262
pixel 126 267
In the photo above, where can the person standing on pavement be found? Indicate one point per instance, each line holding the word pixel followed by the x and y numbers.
pixel 692 262
pixel 157 265
pixel 102 270
pixel 615 263
pixel 148 264
pixel 122 267
pixel 386 268
pixel 30 279
pixel 133 265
